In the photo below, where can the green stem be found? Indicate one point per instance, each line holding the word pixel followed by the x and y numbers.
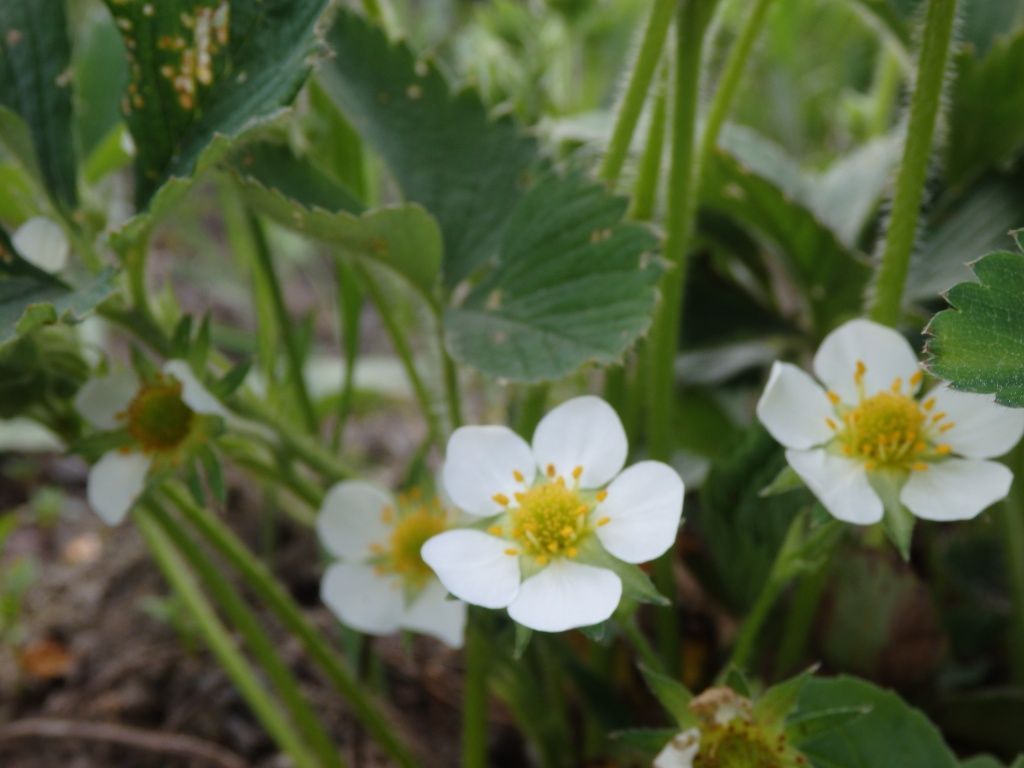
pixel 244 621
pixel 451 379
pixel 645 193
pixel 892 271
pixel 178 575
pixel 799 618
pixel 474 697
pixel 350 303
pixel 636 90
pixel 270 591
pixel 631 630
pixel 1013 535
pixel 303 446
pixel 265 264
pixel 742 651
pixel 693 19
pixel 402 348
pixel 735 65
pixel 240 451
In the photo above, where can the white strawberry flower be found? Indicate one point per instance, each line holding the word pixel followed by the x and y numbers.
pixel 161 419
pixel 552 514
pixel 380 583
pixel 870 423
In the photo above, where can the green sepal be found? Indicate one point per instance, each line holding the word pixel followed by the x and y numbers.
pixel 200 349
pixel 214 472
pixel 735 679
pixel 181 337
pixel 522 641
pixel 898 522
pixel 671 694
pixel 598 633
pixel 92 447
pixel 142 365
pixel 636 584
pixel 227 384
pixel 772 707
pixel 194 481
pixel 787 480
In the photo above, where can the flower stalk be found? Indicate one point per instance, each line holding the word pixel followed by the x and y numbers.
pixel 636 90
pixel 217 637
pixel 891 277
pixel 475 695
pixel 272 594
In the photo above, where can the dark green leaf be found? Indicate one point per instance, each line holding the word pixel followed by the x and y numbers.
pixel 986 127
pixel 573 284
pixel 890 734
pixel 201 68
pixel 978 345
pixel 753 182
pixel 445 153
pixel 35 80
pixel 275 166
pixel 804 727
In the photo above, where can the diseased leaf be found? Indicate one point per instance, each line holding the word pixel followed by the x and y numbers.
pixel 572 284
pixel 35 83
pixel 978 344
pixel 203 68
pixel 467 170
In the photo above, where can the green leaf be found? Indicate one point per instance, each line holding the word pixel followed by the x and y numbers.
pixel 206 68
pixel 978 345
pixel 986 127
pixel 30 297
pixel 405 239
pixel 742 531
pixel 573 284
pixel 445 152
pixel 275 166
pixel 35 83
pixel 671 694
pixel 805 726
pixel 753 182
pixel 648 741
pixel 890 734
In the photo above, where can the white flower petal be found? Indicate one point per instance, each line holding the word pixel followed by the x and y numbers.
pixel 115 482
pixel 982 428
pixel 100 400
pixel 956 489
pixel 434 613
pixel 680 752
pixel 193 393
pixel 644 506
pixel 351 519
pixel 42 242
pixel 582 432
pixel 474 567
pixel 363 599
pixel 480 462
pixel 793 408
pixel 840 484
pixel 885 353
pixel 566 595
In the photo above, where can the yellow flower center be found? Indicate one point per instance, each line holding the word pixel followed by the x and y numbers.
pixel 731 738
pixel 550 520
pixel 158 418
pixel 402 555
pixel 890 429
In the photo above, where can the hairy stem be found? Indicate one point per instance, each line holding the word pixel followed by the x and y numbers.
pixel 891 276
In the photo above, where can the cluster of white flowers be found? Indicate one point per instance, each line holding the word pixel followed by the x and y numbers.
pixel 545 524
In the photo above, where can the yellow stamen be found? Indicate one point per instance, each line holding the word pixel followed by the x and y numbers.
pixel 517 475
pixel 943 449
pixel 603 521
pixel 577 473
pixel 897 384
pixel 511 552
pixel 496 530
pixel 572 552
pixel 947 426
pixel 939 416
pixel 550 470
pixel 601 495
pixel 831 424
pixel 920 466
pixel 833 397
pixel 916 378
pixel 500 498
pixel 928 404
